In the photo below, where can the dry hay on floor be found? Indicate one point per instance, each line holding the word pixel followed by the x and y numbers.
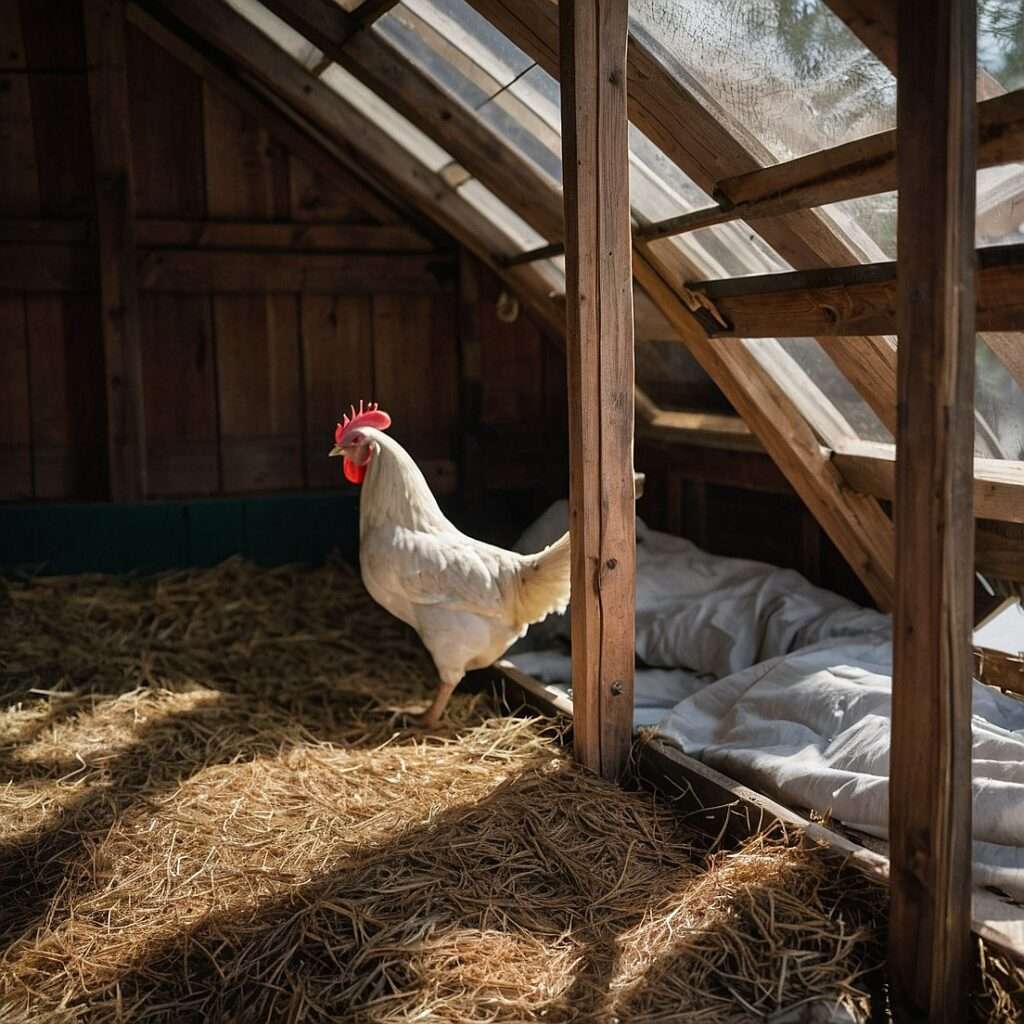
pixel 213 814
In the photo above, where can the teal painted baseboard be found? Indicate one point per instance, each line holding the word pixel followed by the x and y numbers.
pixel 159 535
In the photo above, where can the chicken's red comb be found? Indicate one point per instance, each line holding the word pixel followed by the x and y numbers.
pixel 370 415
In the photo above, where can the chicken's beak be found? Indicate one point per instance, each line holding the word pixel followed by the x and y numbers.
pixel 336 450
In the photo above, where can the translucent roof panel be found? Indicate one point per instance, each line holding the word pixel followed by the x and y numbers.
pixel 384 116
pixel 1001 41
pixel 513 106
pixel 474 36
pixel 526 114
pixel 803 81
pixel 495 210
pixel 873 216
pixel 1000 205
pixel 437 57
pixel 294 44
pixel 818 366
pixel 999 400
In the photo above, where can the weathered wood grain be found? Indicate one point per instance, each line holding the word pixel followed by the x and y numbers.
pixel 599 344
pixel 15 414
pixel 115 221
pixel 179 376
pixel 853 301
pixel 337 366
pixel 259 391
pixel 168 155
pixel 202 271
pixel 930 760
pixel 998 483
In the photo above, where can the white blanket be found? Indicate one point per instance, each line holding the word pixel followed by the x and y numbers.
pixel 787 687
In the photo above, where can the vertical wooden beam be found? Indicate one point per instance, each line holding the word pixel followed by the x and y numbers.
pixel 115 219
pixel 599 302
pixel 930 787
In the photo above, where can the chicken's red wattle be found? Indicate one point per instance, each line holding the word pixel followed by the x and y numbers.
pixel 353 473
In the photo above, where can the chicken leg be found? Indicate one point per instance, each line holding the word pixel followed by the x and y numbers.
pixel 430 717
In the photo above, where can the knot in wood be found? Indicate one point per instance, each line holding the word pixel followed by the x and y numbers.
pixel 618 688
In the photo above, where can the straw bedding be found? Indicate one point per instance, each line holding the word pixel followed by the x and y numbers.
pixel 214 813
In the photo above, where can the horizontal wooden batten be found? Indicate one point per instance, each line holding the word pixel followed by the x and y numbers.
pixel 231 234
pixel 999 550
pixel 998 485
pixel 39 267
pixel 51 232
pixel 202 271
pixel 850 301
pixel 863 167
pixel 302 237
pixel 29 267
pixel 1000 669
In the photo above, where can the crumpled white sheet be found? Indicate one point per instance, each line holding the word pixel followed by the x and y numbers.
pixel 787 687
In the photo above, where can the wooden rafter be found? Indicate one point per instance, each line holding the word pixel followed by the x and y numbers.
pixel 855 522
pixel 273 75
pixel 450 123
pixel 710 146
pixel 115 220
pixel 702 144
pixel 930 759
pixel 862 167
pixel 599 345
pixel 852 301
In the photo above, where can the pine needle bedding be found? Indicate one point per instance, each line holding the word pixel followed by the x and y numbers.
pixel 211 810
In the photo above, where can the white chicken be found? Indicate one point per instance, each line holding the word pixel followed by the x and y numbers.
pixel 469 601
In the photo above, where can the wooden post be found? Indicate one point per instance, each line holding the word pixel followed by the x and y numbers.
pixel 930 787
pixel 115 220
pixel 599 306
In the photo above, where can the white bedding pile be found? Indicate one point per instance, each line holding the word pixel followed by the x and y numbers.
pixel 786 687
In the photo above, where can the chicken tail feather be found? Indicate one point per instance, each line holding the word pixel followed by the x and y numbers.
pixel 544 582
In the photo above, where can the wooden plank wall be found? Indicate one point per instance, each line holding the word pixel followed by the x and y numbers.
pixel 241 388
pixel 242 391
pixel 53 442
pixel 739 504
